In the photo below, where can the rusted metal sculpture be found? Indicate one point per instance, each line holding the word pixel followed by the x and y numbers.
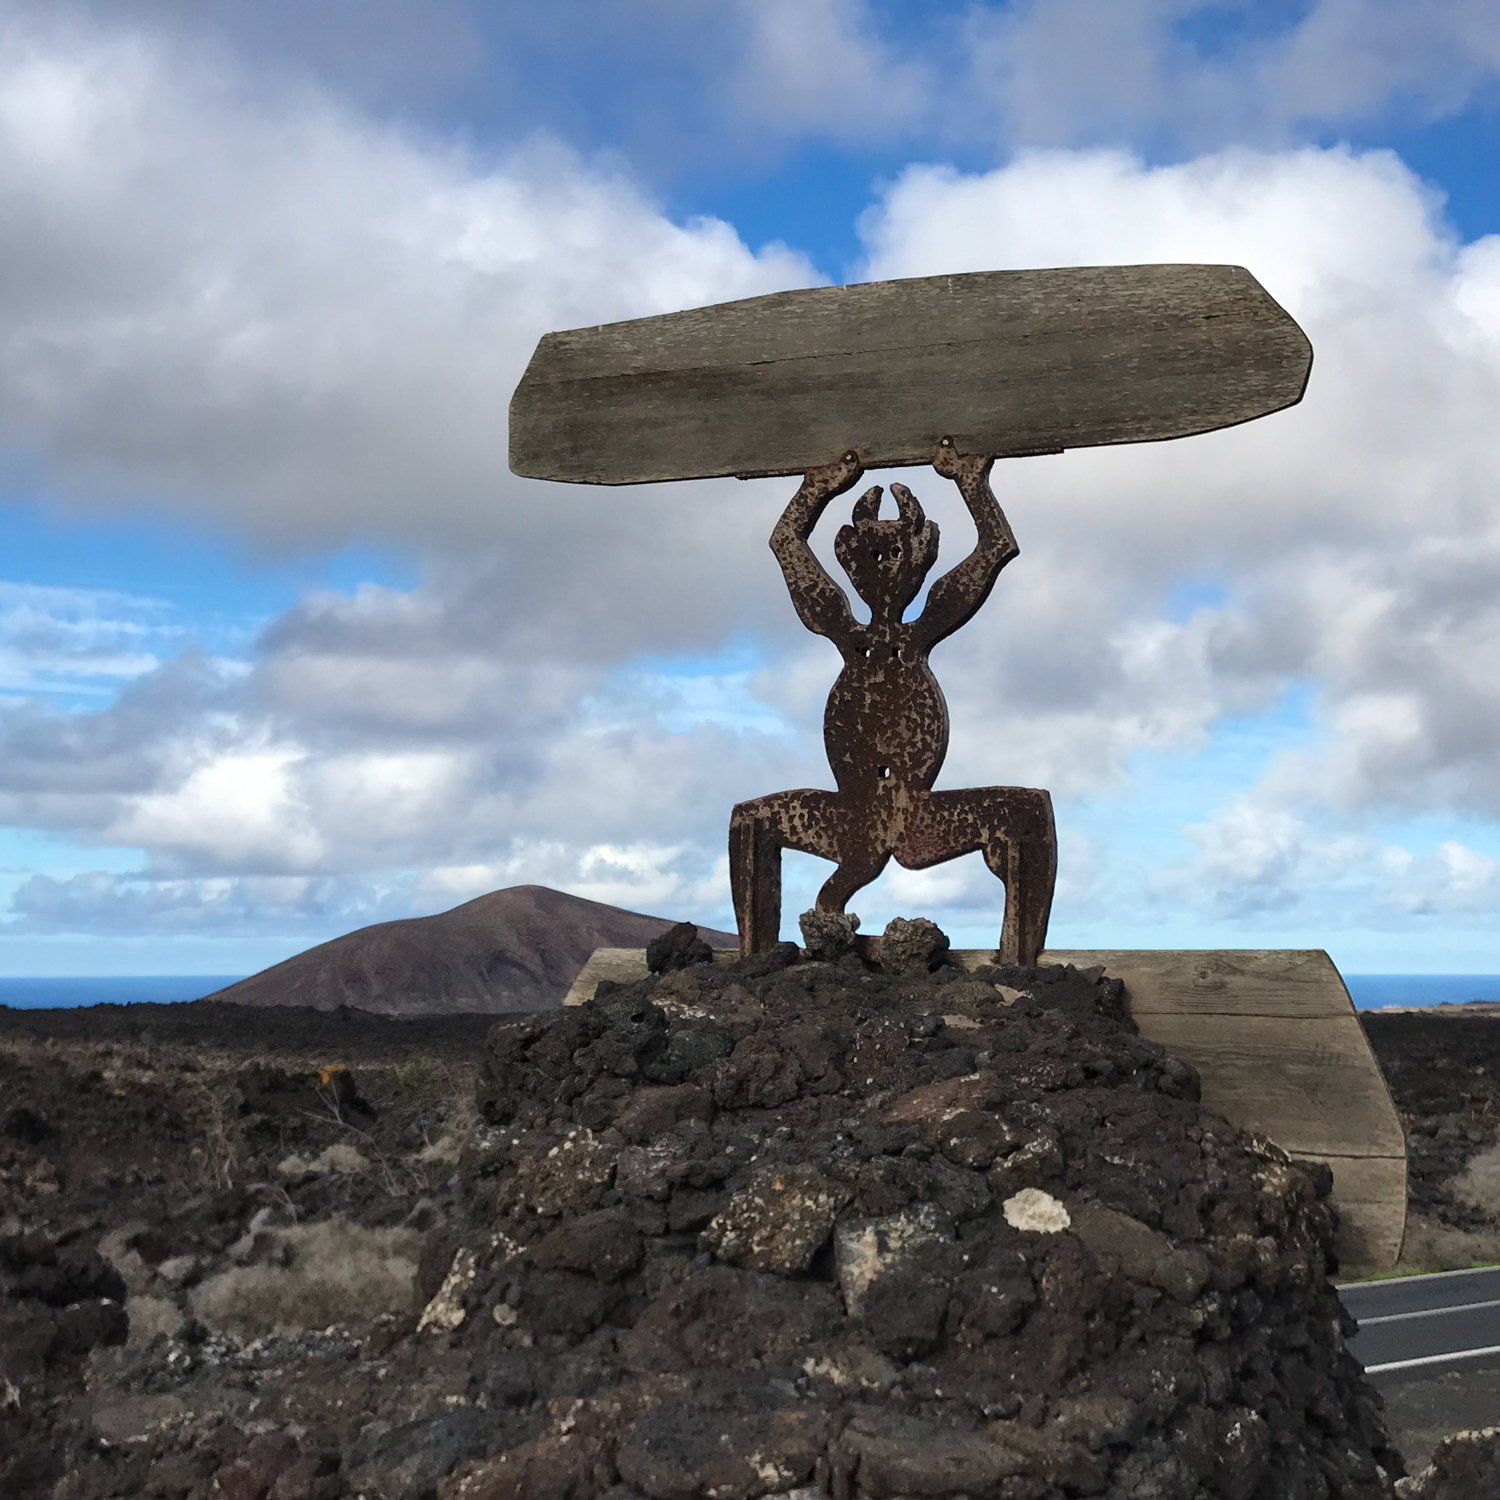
pixel 1009 363
pixel 886 724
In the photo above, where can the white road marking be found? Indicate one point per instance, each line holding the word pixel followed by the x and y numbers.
pixel 1431 1359
pixel 1431 1312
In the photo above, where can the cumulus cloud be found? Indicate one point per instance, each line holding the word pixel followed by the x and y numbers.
pixel 1255 862
pixel 260 309
pixel 824 68
pixel 100 903
pixel 1196 75
pixel 683 87
pixel 275 316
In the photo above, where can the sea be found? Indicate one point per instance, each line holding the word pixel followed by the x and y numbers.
pixel 1368 991
pixel 129 989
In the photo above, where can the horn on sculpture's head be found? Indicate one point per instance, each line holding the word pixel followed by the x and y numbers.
pixel 909 507
pixel 867 507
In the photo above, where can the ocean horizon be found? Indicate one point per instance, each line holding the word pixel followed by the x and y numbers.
pixel 53 993
pixel 1368 991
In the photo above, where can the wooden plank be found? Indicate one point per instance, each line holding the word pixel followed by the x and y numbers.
pixel 1370 1192
pixel 1278 1048
pixel 1309 1084
pixel 623 965
pixel 1004 362
pixel 1252 982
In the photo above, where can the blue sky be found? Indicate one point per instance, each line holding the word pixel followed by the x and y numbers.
pixel 284 647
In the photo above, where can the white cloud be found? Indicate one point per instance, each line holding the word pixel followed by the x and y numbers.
pixel 1255 859
pixel 68 641
pixel 239 808
pixel 687 88
pixel 1075 72
pixel 820 67
pixel 249 304
pixel 97 903
pixel 293 323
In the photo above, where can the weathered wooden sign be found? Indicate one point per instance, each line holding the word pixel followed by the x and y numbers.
pixel 1001 362
pixel 829 383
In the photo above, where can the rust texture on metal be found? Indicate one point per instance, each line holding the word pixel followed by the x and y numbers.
pixel 886 723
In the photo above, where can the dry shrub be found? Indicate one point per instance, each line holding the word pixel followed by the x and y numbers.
pixel 1478 1185
pixel 134 1271
pixel 339 1273
pixel 454 1087
pixel 445 1151
pixel 1431 1246
pixel 216 1154
pixel 339 1157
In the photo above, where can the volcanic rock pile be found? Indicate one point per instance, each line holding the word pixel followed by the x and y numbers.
pixel 809 1228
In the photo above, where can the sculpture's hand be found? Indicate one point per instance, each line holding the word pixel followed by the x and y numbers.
pixel 819 486
pixel 961 468
pixel 828 480
pixel 954 598
pixel 819 601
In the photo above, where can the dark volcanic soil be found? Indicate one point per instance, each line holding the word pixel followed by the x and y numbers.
pixel 1444 1074
pixel 227 1030
pixel 765 1229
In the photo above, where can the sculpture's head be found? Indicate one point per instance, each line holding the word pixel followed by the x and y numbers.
pixel 887 561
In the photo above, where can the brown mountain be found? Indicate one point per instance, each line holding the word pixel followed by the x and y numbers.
pixel 516 949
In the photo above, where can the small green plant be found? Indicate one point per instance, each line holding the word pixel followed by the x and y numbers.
pixel 418 1074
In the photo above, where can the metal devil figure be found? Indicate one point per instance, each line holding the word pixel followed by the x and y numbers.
pixel 886 724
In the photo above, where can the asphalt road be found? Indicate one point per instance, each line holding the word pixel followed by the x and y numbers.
pixel 1431 1346
pixel 1426 1322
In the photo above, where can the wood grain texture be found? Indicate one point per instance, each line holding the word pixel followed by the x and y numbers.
pixel 1249 982
pixel 622 965
pixel 1371 1195
pixel 1004 362
pixel 1308 1083
pixel 1278 1047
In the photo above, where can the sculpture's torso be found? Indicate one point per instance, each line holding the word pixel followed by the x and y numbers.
pixel 885 714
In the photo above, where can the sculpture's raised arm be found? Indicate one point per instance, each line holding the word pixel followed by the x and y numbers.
pixel 955 598
pixel 821 604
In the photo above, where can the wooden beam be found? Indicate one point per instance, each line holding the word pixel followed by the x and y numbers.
pixel 1004 362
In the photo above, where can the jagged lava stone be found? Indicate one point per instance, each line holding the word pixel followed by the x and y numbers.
pixel 794 1228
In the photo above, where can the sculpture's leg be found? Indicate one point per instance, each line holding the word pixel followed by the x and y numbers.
pixel 1012 828
pixel 856 870
pixel 808 821
pixel 1030 874
pixel 755 877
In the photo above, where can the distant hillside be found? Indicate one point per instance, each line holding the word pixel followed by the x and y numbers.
pixel 516 949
